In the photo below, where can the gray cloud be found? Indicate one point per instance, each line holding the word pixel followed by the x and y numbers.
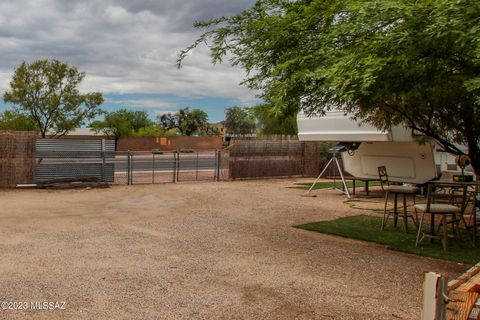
pixel 123 46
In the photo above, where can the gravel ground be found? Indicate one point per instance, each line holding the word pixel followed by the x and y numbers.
pixel 222 250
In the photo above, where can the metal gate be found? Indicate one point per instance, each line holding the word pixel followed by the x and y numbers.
pixel 136 167
pixel 64 158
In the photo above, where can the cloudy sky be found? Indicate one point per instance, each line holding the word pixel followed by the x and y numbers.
pixel 128 50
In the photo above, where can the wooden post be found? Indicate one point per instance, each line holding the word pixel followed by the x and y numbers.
pixel 434 297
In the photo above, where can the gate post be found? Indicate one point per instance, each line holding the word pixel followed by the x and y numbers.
pixel 103 161
pixel 178 166
pixel 129 168
pixel 153 167
pixel 196 168
pixel 218 154
pixel 174 166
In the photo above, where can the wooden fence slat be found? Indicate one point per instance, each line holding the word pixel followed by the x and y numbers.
pixel 460 305
pixel 17 158
pixel 250 158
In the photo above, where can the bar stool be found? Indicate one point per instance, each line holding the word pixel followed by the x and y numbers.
pixel 396 190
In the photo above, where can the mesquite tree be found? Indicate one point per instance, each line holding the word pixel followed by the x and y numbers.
pixel 390 62
pixel 46 91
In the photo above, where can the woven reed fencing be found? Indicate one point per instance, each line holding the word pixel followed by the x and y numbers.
pixel 275 157
pixel 17 158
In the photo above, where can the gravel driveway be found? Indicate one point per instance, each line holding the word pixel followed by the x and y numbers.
pixel 222 250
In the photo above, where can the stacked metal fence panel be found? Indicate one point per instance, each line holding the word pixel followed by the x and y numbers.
pixel 62 158
pixel 17 158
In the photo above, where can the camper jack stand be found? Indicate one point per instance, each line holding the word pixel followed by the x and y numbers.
pixel 334 160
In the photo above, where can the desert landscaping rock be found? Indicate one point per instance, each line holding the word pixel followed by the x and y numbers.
pixel 224 250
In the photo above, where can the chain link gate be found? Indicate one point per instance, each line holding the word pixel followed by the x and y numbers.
pixel 135 167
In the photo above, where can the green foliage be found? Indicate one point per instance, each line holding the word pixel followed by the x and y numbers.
pixel 152 131
pixel 240 121
pixel 125 123
pixel 11 120
pixel 367 228
pixel 187 121
pixel 209 131
pixel 139 120
pixel 276 121
pixel 115 124
pixel 392 62
pixel 168 121
pixel 46 92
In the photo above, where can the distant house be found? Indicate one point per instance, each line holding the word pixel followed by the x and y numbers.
pixel 217 129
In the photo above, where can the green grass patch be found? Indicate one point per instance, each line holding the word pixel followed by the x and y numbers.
pixel 329 184
pixel 367 228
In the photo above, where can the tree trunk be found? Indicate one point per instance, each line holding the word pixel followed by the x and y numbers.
pixel 474 154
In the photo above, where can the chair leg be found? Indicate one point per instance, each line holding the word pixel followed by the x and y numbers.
pixel 439 226
pixel 456 230
pixel 475 227
pixel 432 226
pixel 415 215
pixel 471 236
pixel 395 209
pixel 420 226
pixel 445 233
pixel 405 216
pixel 386 214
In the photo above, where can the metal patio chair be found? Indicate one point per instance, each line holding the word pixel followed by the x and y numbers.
pixel 450 212
pixel 396 190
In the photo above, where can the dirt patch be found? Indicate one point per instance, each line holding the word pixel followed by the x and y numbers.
pixel 199 250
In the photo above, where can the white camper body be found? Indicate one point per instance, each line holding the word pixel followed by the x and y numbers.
pixel 406 159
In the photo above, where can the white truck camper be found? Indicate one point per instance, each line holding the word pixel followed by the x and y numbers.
pixel 398 149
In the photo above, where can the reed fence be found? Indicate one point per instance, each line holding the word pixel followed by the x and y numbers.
pixel 278 156
pixel 17 158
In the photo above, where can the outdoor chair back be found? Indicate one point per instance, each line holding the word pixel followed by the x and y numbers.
pixel 474 215
pixel 383 177
pixel 446 194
